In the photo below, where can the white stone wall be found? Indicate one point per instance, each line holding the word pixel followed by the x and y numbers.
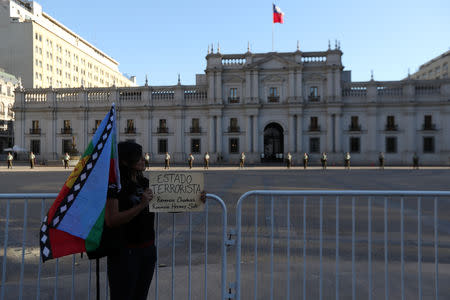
pixel 253 75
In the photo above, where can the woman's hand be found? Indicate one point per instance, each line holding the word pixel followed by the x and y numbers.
pixel 203 197
pixel 146 197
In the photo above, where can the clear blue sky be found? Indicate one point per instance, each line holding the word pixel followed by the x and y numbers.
pixel 164 38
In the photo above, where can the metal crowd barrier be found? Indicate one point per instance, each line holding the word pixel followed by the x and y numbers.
pixel 428 210
pixel 33 288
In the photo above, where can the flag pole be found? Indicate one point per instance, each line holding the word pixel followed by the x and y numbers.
pixel 272 35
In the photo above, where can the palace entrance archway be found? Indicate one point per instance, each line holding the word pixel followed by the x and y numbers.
pixel 273 142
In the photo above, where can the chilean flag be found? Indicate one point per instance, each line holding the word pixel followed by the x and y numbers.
pixel 277 14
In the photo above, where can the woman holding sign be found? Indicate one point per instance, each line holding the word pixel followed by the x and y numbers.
pixel 130 268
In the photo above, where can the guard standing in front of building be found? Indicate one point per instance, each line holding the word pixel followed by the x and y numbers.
pixel 32 159
pixel 66 160
pixel 305 160
pixel 242 160
pixel 347 160
pixel 190 160
pixel 415 161
pixel 289 160
pixel 9 158
pixel 381 160
pixel 206 161
pixel 167 161
pixel 147 160
pixel 323 160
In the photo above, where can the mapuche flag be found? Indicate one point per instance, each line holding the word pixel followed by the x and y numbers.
pixel 277 14
pixel 74 223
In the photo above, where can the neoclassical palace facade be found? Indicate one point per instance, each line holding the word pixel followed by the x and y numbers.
pixel 263 104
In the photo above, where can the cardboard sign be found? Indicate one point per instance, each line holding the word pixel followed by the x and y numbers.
pixel 176 191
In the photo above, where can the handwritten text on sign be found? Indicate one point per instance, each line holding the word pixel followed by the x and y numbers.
pixel 176 191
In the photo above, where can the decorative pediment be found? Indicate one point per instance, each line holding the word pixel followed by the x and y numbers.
pixel 315 77
pixel 273 61
pixel 273 78
pixel 233 79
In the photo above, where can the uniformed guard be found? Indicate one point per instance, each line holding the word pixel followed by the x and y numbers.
pixel 66 160
pixel 305 160
pixel 9 158
pixel 415 161
pixel 32 159
pixel 206 161
pixel 381 160
pixel 242 160
pixel 147 160
pixel 190 160
pixel 323 160
pixel 167 161
pixel 289 160
pixel 347 160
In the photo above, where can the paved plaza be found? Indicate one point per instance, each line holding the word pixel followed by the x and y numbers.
pixel 229 183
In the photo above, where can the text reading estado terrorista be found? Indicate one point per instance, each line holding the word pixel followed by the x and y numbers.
pixel 176 192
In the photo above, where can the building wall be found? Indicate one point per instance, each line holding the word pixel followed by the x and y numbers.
pixel 44 53
pixel 8 84
pixel 295 75
pixel 437 68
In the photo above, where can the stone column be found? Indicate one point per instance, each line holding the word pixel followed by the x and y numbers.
pixel 219 95
pixel 299 86
pixel 300 134
pixel 291 85
pixel 256 135
pixel 330 83
pixel 329 133
pixel 291 134
pixel 408 146
pixel 337 84
pixel 372 145
pixel 211 135
pixel 248 134
pixel 338 132
pixel 248 87
pixel 219 134
pixel 255 88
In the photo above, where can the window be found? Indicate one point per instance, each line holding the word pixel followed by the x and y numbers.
pixel 445 67
pixel 35 124
pixel 355 145
pixel 354 125
pixel 428 123
pixel 314 124
pixel 162 146
pixel 273 94
pixel 130 126
pixel 234 145
pixel 97 123
pixel 391 145
pixel 66 123
pixel 35 146
pixel 8 91
pixel 314 145
pixel 195 128
pixel 163 126
pixel 233 125
pixel 428 145
pixel 195 145
pixel 66 145
pixel 390 123
pixel 233 97
pixel 314 93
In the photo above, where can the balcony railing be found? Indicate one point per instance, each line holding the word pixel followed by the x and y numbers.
pixel 163 130
pixel 130 130
pixel 195 129
pixel 273 99
pixel 313 98
pixel 354 127
pixel 233 99
pixel 66 130
pixel 314 128
pixel 234 129
pixel 428 126
pixel 391 127
pixel 35 130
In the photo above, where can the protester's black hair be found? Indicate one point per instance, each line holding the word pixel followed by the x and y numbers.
pixel 129 154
